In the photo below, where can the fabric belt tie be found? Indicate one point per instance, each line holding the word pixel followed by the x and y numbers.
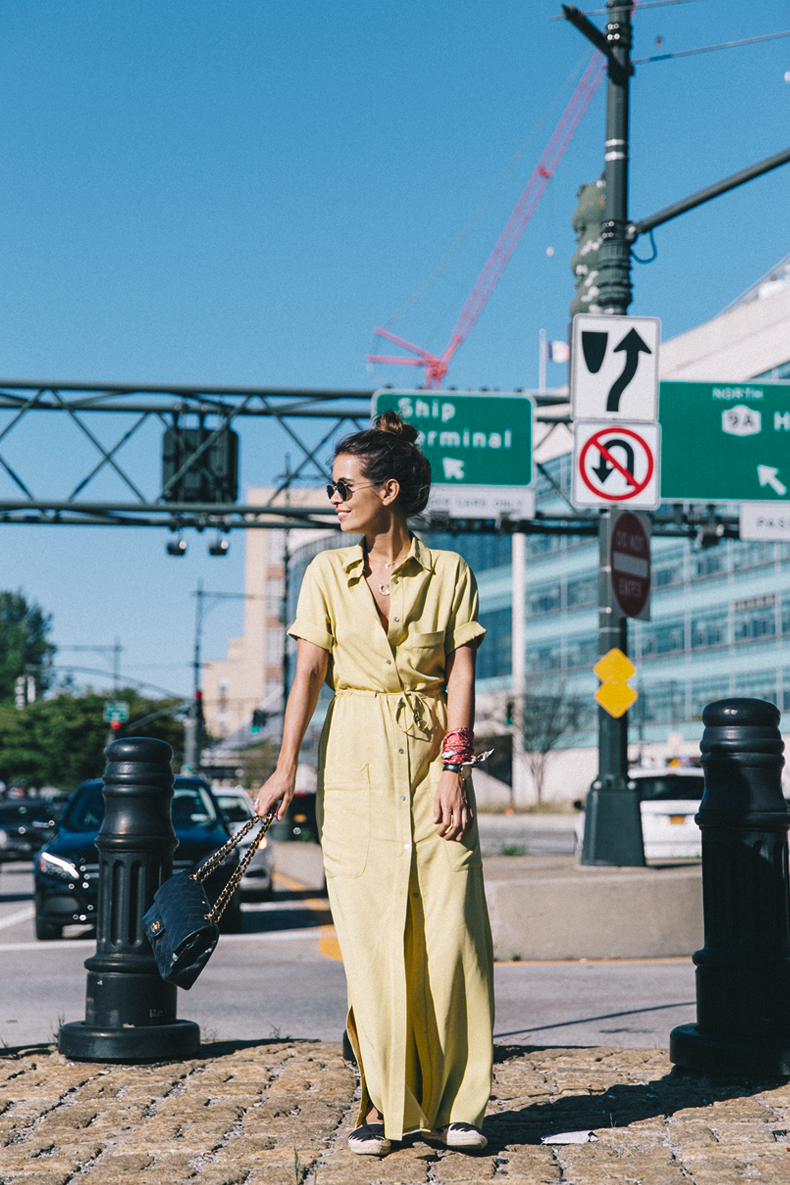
pixel 415 710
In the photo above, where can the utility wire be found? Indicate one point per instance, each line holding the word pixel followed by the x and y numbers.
pixel 684 53
pixel 605 11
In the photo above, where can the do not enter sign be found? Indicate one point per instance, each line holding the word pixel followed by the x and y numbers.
pixel 630 564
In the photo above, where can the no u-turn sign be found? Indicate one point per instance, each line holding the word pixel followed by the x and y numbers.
pixel 616 464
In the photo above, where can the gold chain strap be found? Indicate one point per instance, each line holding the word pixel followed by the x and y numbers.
pixel 215 859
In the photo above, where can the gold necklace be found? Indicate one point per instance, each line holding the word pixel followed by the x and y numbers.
pixel 384 589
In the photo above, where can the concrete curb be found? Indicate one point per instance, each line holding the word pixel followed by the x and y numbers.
pixel 549 907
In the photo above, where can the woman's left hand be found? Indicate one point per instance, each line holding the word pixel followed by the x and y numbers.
pixel 451 809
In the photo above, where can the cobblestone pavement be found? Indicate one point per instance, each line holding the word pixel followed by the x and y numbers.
pixel 277 1113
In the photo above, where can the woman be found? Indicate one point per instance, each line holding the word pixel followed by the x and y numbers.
pixel 392 627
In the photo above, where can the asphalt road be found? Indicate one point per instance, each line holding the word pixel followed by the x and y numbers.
pixel 283 977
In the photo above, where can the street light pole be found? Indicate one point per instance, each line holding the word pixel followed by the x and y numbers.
pixel 613 825
pixel 194 725
pixel 614 256
pixel 613 833
pixel 196 733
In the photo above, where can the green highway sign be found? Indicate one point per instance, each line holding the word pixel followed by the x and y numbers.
pixel 479 446
pixel 725 442
pixel 116 710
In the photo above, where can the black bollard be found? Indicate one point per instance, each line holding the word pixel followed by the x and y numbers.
pixel 130 1012
pixel 743 970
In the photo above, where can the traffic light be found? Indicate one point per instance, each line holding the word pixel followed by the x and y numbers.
pixel 115 725
pixel 259 718
pixel 210 470
pixel 587 221
pixel 509 713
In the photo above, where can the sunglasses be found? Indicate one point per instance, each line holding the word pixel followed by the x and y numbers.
pixel 344 488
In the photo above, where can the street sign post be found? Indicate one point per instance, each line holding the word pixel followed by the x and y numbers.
pixel 725 442
pixel 614 368
pixel 630 564
pixel 615 464
pixel 479 446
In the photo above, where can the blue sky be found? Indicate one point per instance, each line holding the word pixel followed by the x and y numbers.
pixel 237 193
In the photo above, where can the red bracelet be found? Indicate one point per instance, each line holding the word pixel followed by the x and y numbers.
pixel 458 745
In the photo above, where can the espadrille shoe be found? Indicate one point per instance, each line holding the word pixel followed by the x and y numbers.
pixel 369 1140
pixel 464 1137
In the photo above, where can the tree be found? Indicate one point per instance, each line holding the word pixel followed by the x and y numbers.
pixel 547 716
pixel 24 645
pixel 60 741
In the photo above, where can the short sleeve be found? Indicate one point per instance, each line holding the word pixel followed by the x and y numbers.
pixel 463 626
pixel 313 622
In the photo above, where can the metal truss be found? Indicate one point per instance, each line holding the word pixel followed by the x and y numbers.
pixel 84 434
pixel 98 477
pixel 95 430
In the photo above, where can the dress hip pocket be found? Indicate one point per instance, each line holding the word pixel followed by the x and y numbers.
pixel 345 826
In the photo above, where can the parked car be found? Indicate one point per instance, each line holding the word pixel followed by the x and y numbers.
pixel 668 800
pixel 66 869
pixel 236 807
pixel 26 824
pixel 299 822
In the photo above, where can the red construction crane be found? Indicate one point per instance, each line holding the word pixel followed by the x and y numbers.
pixel 436 367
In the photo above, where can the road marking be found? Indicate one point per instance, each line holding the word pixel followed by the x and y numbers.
pixel 21 915
pixel 328 944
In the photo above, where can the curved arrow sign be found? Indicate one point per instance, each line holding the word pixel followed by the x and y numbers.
pixel 614 368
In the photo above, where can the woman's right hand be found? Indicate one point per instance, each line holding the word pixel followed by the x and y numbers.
pixel 278 788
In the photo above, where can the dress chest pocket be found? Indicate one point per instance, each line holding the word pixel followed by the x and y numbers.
pixel 431 641
pixel 344 822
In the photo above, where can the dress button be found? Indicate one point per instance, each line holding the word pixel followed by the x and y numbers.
pixel 396 619
pixel 403 797
pixel 400 750
pixel 389 662
pixel 406 846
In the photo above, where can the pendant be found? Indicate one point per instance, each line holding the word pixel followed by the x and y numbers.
pixel 384 589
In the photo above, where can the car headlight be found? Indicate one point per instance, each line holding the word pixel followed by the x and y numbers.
pixel 57 866
pixel 3 838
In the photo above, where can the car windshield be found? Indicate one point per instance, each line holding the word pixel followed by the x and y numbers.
pixel 86 811
pixel 669 786
pixel 192 807
pixel 236 808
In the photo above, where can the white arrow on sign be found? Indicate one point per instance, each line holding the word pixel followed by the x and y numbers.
pixel 767 476
pixel 453 467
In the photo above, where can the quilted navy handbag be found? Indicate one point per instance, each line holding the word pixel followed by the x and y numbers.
pixel 181 925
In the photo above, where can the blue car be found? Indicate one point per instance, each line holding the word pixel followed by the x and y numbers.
pixel 66 870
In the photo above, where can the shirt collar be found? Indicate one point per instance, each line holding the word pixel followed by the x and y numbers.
pixel 418 552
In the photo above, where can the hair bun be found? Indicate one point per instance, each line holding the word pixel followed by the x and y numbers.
pixel 390 421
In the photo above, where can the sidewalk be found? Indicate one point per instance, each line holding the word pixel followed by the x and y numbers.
pixel 277 1113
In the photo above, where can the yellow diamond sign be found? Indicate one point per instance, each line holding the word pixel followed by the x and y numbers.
pixel 614 695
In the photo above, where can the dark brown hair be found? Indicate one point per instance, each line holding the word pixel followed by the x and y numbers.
pixel 389 450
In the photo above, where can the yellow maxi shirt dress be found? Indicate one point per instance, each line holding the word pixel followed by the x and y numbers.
pixel 408 906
